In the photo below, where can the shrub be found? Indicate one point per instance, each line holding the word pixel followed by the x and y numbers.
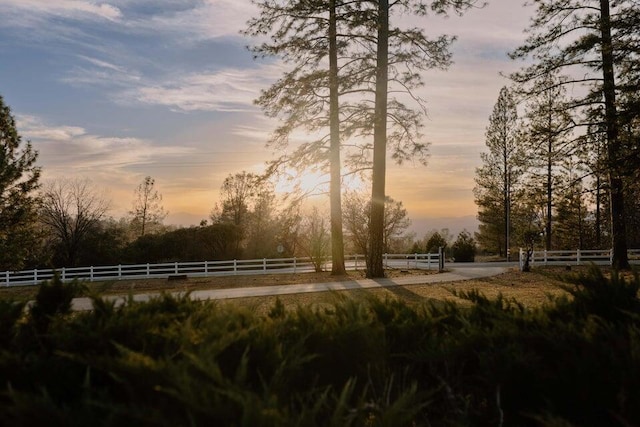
pixel 174 361
pixel 464 248
pixel 53 299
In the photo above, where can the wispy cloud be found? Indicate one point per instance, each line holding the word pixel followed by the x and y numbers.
pixel 95 71
pixel 228 90
pixel 205 20
pixel 73 9
pixel 65 148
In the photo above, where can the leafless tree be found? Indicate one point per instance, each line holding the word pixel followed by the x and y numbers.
pixel 71 208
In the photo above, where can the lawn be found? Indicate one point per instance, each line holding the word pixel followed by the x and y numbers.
pixel 531 289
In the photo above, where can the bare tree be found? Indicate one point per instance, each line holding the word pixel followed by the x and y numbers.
pixel 314 239
pixel 71 208
pixel 357 206
pixel 147 207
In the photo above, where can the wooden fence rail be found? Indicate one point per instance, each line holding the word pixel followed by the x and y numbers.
pixel 577 257
pixel 206 268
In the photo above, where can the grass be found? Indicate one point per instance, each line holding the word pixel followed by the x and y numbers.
pixel 531 289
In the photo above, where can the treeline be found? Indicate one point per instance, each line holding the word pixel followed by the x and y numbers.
pixel 563 160
pixel 173 361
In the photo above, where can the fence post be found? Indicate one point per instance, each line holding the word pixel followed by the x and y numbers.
pixel 119 271
pixel 440 259
pixel 91 273
pixel 148 271
pixel 6 278
pixel 520 259
pixel 264 264
pixel 35 276
pixel 578 257
pixel 206 268
pixel 235 267
pixel 386 260
pixel 64 274
pixel 295 265
pixel 175 268
pixel 545 257
pixel 611 256
pixel 356 262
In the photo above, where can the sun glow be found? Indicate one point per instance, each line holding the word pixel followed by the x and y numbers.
pixel 308 183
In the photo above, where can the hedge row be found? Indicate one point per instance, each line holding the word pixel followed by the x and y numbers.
pixel 176 362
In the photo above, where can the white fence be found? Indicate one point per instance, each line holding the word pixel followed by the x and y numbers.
pixel 577 257
pixel 207 268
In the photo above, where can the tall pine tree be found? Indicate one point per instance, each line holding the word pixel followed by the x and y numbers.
pixel 499 176
pixel 594 43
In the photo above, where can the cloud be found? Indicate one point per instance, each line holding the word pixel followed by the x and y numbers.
pixel 70 148
pixel 71 9
pixel 227 90
pixel 207 19
pixel 99 72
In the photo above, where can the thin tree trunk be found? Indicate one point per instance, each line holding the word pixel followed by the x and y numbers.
pixel 507 202
pixel 337 240
pixel 598 214
pixel 376 224
pixel 549 200
pixel 618 229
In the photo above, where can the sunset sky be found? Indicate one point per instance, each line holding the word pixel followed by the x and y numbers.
pixel 119 89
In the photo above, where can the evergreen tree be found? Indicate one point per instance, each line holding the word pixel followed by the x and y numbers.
pixel 498 179
pixel 373 56
pixel 572 211
pixel 396 48
pixel 595 42
pixel 548 143
pixel 19 179
pixel 304 33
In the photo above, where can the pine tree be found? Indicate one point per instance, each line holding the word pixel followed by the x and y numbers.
pixel 371 59
pixel 594 42
pixel 497 180
pixel 19 179
pixel 548 142
pixel 395 48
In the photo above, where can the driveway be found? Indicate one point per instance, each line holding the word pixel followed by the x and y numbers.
pixel 456 273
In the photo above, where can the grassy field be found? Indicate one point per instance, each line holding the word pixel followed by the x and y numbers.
pixel 531 289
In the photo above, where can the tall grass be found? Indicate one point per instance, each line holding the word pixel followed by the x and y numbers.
pixel 174 362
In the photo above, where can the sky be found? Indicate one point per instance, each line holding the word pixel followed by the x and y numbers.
pixel 116 90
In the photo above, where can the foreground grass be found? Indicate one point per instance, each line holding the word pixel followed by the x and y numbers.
pixel 368 360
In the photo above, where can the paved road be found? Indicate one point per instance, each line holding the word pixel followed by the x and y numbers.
pixel 456 272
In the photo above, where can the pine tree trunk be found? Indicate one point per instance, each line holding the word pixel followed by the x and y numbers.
pixel 549 201
pixel 337 240
pixel 598 224
pixel 375 267
pixel 618 229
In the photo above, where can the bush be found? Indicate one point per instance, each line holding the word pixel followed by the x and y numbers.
pixel 174 361
pixel 464 248
pixel 53 299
